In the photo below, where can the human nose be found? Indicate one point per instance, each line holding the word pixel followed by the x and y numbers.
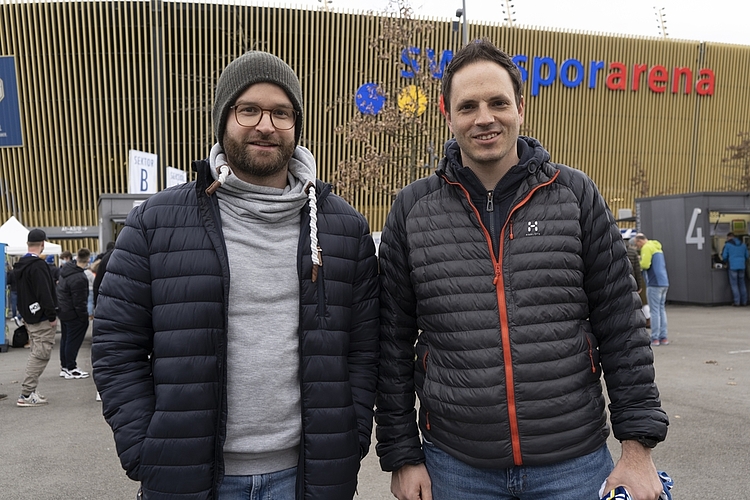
pixel 265 123
pixel 484 115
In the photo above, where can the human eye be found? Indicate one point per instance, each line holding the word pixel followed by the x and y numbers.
pixel 466 106
pixel 248 110
pixel 282 113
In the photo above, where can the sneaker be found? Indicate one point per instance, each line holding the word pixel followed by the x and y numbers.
pixel 664 342
pixel 75 373
pixel 32 399
pixel 654 342
pixel 98 397
pixel 64 373
pixel 17 321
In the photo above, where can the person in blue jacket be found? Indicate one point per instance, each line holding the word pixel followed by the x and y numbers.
pixel 735 254
pixel 235 343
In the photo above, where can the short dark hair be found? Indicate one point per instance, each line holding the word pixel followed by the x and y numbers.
pixel 110 246
pixel 66 255
pixel 84 254
pixel 481 50
pixel 730 235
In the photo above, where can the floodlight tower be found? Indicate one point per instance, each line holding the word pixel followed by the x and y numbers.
pixel 508 13
pixel 461 14
pixel 661 21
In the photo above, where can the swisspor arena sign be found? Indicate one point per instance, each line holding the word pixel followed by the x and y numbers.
pixel 541 72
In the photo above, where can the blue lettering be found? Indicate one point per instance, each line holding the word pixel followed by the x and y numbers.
pixel 144 180
pixel 517 60
pixel 437 68
pixel 596 66
pixel 536 73
pixel 408 57
pixel 565 71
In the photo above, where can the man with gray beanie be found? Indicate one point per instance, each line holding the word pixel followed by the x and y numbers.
pixel 235 341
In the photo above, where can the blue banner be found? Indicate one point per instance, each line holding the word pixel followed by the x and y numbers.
pixel 10 114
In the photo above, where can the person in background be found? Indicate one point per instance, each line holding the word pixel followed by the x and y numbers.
pixel 10 282
pixel 735 254
pixel 37 303
pixel 634 258
pixel 506 294
pixel 53 269
pixel 235 343
pixel 101 269
pixel 65 257
pixel 72 293
pixel 654 267
pixel 90 273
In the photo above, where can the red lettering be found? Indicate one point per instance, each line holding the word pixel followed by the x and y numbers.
pixel 679 73
pixel 658 75
pixel 638 70
pixel 618 75
pixel 705 86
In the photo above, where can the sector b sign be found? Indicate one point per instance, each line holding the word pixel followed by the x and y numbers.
pixel 142 169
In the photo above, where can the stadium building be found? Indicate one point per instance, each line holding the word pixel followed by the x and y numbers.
pixel 85 83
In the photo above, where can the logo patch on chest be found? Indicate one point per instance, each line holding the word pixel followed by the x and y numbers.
pixel 532 228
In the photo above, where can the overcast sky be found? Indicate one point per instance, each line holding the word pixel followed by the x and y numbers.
pixel 726 21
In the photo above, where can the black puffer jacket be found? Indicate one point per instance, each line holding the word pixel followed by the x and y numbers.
pixel 159 345
pixel 72 293
pixel 509 350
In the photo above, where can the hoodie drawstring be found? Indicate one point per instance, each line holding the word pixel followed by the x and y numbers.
pixel 223 171
pixel 316 251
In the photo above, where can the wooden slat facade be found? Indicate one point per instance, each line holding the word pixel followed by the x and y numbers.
pixel 97 79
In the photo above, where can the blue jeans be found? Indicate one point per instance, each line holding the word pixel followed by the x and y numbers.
pixel 737 282
pixel 272 486
pixel 657 301
pixel 574 479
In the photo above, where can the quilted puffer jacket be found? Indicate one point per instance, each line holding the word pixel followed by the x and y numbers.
pixel 159 345
pixel 509 348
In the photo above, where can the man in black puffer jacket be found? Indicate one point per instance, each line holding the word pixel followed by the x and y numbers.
pixel 235 339
pixel 72 297
pixel 510 275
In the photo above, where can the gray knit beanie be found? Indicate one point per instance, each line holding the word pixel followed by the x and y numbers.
pixel 248 69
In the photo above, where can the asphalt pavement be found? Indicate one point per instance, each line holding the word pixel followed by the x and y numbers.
pixel 65 450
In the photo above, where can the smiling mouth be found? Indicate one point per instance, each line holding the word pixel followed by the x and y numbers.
pixel 487 136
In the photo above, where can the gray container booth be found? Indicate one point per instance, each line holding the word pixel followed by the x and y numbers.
pixel 692 229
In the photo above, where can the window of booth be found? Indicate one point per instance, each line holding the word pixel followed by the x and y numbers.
pixel 721 224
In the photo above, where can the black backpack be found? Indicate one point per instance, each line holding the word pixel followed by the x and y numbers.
pixel 20 337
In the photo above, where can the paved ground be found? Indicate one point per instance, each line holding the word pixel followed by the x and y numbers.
pixel 65 450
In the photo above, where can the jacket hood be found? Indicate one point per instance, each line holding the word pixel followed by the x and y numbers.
pixel 531 154
pixel 25 262
pixel 69 269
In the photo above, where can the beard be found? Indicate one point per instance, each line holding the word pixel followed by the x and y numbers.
pixel 260 164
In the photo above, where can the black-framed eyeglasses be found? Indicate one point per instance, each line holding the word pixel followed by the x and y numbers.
pixel 249 115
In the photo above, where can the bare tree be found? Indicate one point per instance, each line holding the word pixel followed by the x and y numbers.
pixel 395 144
pixel 639 181
pixel 739 158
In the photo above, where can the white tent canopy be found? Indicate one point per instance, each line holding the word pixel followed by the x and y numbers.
pixel 14 235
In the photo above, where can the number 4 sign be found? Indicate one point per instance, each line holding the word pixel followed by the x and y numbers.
pixel 698 239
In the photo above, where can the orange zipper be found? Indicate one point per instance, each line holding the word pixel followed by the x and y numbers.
pixel 499 282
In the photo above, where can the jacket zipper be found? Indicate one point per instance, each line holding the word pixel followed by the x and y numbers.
pixel 499 282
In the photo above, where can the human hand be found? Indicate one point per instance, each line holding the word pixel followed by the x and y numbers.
pixel 636 472
pixel 411 482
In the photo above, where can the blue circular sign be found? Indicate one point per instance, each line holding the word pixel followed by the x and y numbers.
pixel 369 99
